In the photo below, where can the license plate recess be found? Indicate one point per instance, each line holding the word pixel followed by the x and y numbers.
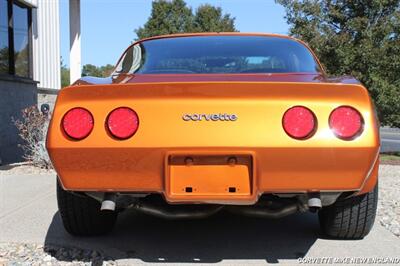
pixel 209 176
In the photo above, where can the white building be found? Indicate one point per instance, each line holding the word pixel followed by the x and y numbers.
pixel 29 63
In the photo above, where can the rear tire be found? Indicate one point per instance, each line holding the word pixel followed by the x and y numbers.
pixel 350 218
pixel 81 215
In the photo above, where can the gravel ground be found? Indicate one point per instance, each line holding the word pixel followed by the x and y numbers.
pixel 22 169
pixel 36 254
pixel 389 198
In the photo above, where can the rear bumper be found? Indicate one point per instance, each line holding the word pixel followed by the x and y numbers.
pixel 273 170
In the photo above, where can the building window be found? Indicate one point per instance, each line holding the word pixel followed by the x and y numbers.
pixel 4 44
pixel 15 39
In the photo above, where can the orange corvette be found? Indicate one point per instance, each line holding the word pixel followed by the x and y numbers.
pixel 191 124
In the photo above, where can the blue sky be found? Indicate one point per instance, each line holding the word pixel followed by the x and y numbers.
pixel 107 26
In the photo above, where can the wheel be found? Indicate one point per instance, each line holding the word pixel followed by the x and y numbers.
pixel 350 218
pixel 81 214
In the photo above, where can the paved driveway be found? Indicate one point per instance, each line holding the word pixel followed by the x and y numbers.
pixel 28 213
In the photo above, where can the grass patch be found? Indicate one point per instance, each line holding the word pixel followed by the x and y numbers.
pixel 391 158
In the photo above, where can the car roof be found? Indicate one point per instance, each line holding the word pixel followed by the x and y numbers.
pixel 176 35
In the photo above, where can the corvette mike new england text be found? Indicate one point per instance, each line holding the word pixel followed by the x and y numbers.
pixel 349 260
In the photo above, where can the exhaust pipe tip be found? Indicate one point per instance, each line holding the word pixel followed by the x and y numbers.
pixel 314 202
pixel 108 203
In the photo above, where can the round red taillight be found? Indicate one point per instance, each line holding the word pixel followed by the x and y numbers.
pixel 346 122
pixel 78 123
pixel 299 122
pixel 123 123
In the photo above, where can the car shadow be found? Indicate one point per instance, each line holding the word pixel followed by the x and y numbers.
pixel 221 237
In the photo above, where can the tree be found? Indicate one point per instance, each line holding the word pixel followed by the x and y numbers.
pixel 64 75
pixel 94 71
pixel 167 17
pixel 4 67
pixel 21 62
pixel 91 70
pixel 175 16
pixel 106 70
pixel 211 19
pixel 87 70
pixel 361 38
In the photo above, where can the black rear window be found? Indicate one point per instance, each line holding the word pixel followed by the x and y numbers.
pixel 218 54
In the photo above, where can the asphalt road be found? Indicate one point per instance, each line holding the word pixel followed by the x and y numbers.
pixel 28 213
pixel 390 140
